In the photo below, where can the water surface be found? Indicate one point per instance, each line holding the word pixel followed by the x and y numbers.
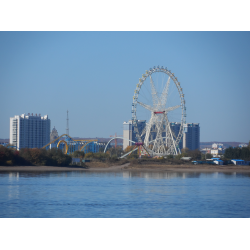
pixel 124 195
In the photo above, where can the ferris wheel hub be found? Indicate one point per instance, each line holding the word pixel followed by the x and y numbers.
pixel 139 143
pixel 159 112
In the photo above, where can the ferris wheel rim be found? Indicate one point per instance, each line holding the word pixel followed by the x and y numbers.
pixel 181 95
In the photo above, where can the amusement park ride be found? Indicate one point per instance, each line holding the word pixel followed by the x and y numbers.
pixel 158 99
pixel 115 136
pixel 71 145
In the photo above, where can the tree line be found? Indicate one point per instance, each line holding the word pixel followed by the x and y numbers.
pixel 238 153
pixel 33 156
pixel 50 157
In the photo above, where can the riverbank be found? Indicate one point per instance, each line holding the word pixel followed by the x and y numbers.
pixel 154 167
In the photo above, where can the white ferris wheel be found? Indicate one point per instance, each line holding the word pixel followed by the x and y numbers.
pixel 159 112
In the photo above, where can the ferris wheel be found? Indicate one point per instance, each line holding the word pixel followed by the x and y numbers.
pixel 159 112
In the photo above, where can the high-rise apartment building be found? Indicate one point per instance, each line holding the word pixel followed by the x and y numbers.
pixel 191 136
pixel 28 131
pixel 129 133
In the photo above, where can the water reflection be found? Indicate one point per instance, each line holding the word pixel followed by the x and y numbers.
pixel 160 175
pixel 13 175
pixel 13 187
pixel 125 174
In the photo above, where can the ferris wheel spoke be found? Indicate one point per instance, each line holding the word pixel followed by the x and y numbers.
pixel 155 98
pixel 172 108
pixel 148 129
pixel 146 106
pixel 164 94
pixel 172 141
pixel 159 140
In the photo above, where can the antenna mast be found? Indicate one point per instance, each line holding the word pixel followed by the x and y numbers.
pixel 67 129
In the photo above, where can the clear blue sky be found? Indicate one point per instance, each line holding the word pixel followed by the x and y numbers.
pixel 94 75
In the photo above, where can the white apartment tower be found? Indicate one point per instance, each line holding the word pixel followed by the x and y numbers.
pixel 28 131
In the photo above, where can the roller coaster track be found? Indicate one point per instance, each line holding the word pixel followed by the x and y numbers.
pixel 86 145
pixel 86 142
pixel 57 139
pixel 66 145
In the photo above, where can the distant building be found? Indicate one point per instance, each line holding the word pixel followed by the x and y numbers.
pixel 206 151
pixel 127 134
pixel 218 162
pixel 240 162
pixel 130 134
pixel 53 134
pixel 4 142
pixel 191 136
pixel 217 145
pixel 214 152
pixel 28 131
pixel 217 149
pixel 217 152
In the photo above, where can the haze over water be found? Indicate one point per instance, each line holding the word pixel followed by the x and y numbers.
pixel 124 195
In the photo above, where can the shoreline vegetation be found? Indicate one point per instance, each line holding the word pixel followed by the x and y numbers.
pixel 54 160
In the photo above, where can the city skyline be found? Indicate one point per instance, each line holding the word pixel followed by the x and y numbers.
pixel 94 75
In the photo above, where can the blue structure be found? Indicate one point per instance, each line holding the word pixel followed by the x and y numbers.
pixel 92 147
pixel 239 162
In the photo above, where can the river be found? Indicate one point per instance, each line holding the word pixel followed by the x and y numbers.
pixel 124 195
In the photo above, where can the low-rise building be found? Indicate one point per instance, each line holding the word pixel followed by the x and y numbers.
pixel 217 145
pixel 218 162
pixel 217 152
pixel 240 162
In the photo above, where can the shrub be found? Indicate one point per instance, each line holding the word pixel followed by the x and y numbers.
pixel 6 154
pixel 89 155
pixel 9 162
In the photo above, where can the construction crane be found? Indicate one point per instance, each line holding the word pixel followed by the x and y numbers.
pixel 114 136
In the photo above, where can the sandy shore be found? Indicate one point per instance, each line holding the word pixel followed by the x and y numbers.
pixel 98 166
pixel 192 168
pixel 95 166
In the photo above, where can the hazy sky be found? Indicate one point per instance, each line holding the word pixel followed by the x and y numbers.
pixel 94 75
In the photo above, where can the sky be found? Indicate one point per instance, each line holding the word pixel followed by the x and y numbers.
pixel 93 75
